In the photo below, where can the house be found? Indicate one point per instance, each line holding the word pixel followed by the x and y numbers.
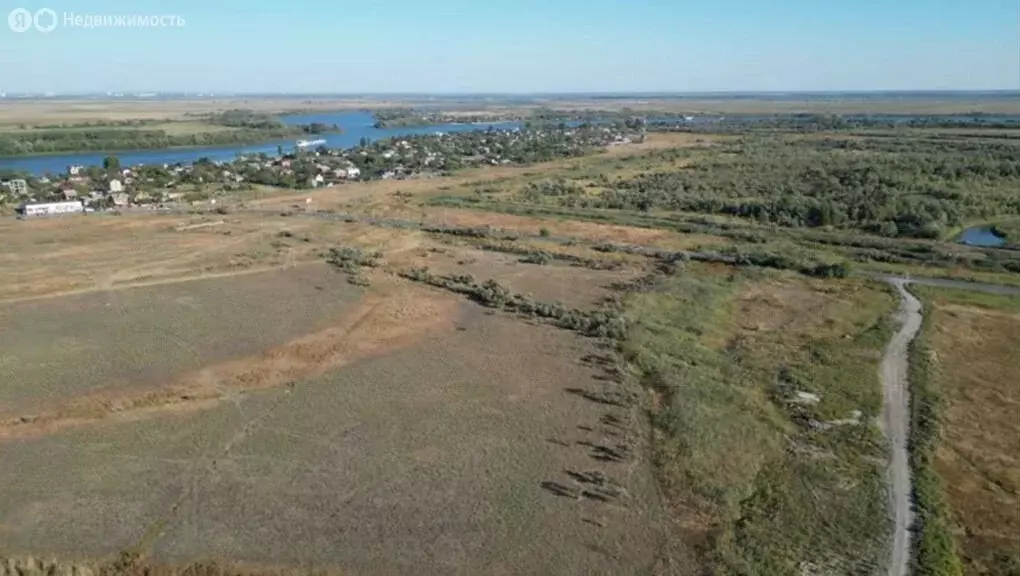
pixel 116 187
pixel 75 170
pixel 17 187
pixel 70 194
pixel 49 208
pixel 119 199
pixel 353 172
pixel 317 181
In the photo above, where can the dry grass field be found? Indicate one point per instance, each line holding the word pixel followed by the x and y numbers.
pixel 43 112
pixel 430 456
pixel 204 387
pixel 977 348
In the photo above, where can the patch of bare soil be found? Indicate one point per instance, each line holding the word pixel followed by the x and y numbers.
pixel 780 305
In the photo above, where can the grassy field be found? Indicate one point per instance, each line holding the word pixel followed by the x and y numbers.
pixel 212 391
pixel 316 466
pixel 137 339
pixel 972 341
pixel 764 393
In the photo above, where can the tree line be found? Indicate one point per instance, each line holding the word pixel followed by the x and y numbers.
pixel 889 187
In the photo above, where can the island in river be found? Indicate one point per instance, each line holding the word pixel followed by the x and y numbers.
pixel 225 128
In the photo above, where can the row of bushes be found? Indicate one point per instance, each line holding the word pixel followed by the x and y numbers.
pixel 596 323
pixel 857 247
pixel 734 258
pixel 737 258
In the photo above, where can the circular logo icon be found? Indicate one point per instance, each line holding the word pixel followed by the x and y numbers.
pixel 20 19
pixel 45 20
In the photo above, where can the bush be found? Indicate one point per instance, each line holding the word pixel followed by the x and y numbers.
pixel 538 257
pixel 351 259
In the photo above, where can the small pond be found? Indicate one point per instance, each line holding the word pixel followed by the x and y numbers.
pixel 981 236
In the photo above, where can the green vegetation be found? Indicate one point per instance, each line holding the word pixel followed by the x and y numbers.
pixel 935 551
pixel 763 435
pixel 403 117
pixel 1008 303
pixel 407 117
pixel 226 128
pixel 597 323
pixel 889 187
pixel 351 259
pixel 873 199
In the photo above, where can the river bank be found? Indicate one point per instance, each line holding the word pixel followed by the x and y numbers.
pixel 356 127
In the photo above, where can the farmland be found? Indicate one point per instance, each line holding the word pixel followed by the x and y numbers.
pixel 577 366
pixel 972 345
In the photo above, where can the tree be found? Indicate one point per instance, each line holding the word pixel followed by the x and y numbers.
pixel 279 150
pixel 111 164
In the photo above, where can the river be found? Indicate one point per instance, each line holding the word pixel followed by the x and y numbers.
pixel 358 125
pixel 355 126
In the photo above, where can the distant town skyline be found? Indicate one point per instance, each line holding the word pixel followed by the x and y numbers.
pixel 517 47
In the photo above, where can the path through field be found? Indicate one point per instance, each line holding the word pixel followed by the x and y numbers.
pixel 896 425
pixel 896 407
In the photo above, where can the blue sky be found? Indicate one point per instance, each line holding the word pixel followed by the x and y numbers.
pixel 521 46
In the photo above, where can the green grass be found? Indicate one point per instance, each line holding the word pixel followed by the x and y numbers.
pixel 771 492
pixel 968 298
pixel 935 552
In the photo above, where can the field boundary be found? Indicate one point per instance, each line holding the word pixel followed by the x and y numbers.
pixel 934 549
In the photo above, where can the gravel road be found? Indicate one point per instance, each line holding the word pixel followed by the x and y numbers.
pixel 896 424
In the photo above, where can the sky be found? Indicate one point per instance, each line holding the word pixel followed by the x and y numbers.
pixel 518 46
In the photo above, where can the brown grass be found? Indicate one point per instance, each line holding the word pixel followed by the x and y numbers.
pixel 428 458
pixel 75 254
pixel 393 315
pixel 979 457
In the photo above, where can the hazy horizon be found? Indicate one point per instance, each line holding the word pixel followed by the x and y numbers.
pixel 778 94
pixel 520 47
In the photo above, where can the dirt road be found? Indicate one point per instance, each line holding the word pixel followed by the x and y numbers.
pixel 896 425
pixel 895 420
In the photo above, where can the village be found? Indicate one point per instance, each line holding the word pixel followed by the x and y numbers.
pixel 113 187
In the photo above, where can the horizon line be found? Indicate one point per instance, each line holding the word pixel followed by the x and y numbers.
pixel 613 93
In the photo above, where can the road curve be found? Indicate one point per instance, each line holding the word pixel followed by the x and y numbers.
pixel 895 423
